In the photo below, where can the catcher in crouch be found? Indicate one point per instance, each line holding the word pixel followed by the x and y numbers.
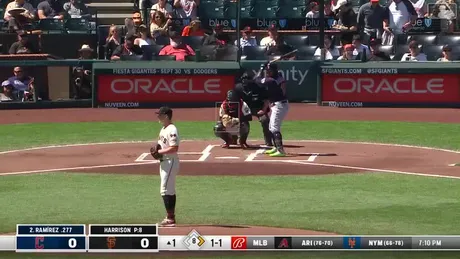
pixel 234 117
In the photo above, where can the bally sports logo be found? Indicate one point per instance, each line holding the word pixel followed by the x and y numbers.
pixel 163 88
pixel 390 88
pixel 239 243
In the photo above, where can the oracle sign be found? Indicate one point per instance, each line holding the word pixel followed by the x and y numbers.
pixel 163 88
pixel 178 86
pixel 399 86
pixel 390 88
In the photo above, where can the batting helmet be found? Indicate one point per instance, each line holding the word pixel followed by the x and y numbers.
pixel 232 96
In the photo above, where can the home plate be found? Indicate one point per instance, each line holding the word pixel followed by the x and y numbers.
pixel 227 157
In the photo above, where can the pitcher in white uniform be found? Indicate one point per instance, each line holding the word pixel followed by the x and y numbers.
pixel 169 164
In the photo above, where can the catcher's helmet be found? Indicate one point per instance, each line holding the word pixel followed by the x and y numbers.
pixel 232 96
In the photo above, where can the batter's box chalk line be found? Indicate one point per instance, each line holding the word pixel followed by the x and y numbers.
pixel 146 157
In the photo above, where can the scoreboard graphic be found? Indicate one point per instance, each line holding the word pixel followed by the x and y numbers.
pixel 144 238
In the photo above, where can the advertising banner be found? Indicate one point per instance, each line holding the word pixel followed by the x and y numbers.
pixel 353 89
pixel 135 90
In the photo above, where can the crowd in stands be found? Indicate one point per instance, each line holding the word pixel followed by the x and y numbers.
pixel 370 31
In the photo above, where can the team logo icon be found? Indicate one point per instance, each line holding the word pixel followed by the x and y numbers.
pixel 283 23
pixel 111 242
pixel 330 22
pixel 186 22
pixel 428 22
pixel 233 22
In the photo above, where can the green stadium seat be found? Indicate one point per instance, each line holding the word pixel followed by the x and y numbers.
pixel 230 11
pixel 291 12
pixel 52 26
pixel 293 3
pixel 78 26
pixel 263 11
pixel 212 10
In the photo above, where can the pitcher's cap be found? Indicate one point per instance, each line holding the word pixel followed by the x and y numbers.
pixel 164 111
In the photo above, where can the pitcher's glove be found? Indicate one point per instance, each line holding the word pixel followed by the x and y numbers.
pixel 154 152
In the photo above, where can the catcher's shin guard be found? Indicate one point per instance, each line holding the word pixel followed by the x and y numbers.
pixel 244 132
pixel 268 136
pixel 219 131
pixel 278 139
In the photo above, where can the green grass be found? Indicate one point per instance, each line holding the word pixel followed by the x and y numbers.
pixel 346 204
pixel 426 134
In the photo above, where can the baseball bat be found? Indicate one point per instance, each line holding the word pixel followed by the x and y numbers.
pixel 283 56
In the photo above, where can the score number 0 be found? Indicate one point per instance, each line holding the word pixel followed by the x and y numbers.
pixel 145 243
pixel 72 243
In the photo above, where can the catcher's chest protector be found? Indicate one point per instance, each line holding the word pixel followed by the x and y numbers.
pixel 232 109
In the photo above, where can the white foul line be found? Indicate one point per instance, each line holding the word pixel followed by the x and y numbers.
pixel 141 157
pixel 371 169
pixel 252 156
pixel 206 153
pixel 312 157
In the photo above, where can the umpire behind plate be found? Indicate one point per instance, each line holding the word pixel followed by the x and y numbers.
pixel 254 96
pixel 234 117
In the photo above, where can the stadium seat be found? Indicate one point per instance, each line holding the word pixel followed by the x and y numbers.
pixel 228 53
pixel 306 52
pixel 400 50
pixel 162 40
pixel 401 39
pixel 291 12
pixel 298 3
pixel 313 40
pixel 296 40
pixel 208 52
pixel 433 52
pixel 452 40
pixel 230 11
pixel 263 11
pixel 52 26
pixel 131 58
pixel 254 53
pixel 193 41
pixel 78 25
pixel 154 49
pixel 212 10
pixel 389 50
pixel 66 45
pixel 166 57
pixel 423 39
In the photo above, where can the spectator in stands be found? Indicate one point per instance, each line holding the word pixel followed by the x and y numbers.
pixel 217 37
pixel 345 20
pixel 82 74
pixel 359 47
pixel 246 38
pixel 145 38
pixel 23 45
pixel 158 24
pixel 127 49
pixel 280 48
pixel 7 94
pixel 446 54
pixel 347 53
pixel 137 21
pixel 112 41
pixel 442 10
pixel 370 20
pixel 328 9
pixel 76 9
pixel 414 54
pixel 314 11
pixel 186 8
pixel 194 29
pixel 16 19
pixel 329 50
pixel 163 7
pixel 376 54
pixel 176 47
pixel 50 9
pixel 271 38
pixel 420 7
pixel 398 20
pixel 22 84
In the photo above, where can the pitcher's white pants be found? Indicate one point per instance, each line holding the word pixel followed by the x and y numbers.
pixel 169 168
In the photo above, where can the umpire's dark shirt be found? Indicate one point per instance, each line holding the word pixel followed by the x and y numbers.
pixel 252 94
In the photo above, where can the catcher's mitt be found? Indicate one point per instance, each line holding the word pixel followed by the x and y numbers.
pixel 230 122
pixel 154 152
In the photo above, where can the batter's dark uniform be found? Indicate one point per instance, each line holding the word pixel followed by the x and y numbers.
pixel 279 104
pixel 254 96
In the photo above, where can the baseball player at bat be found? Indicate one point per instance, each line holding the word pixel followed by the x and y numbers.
pixel 166 152
pixel 270 78
pixel 234 117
